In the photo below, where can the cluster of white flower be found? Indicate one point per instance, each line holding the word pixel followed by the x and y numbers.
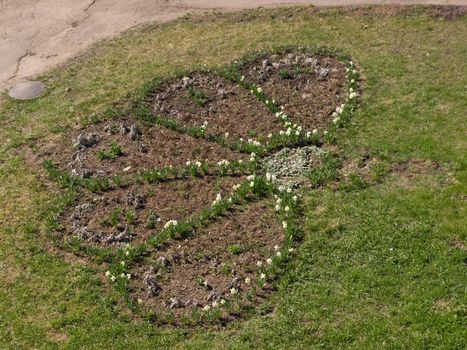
pixel 205 124
pixel 252 156
pixel 223 162
pixel 254 142
pixel 170 223
pixel 114 278
pixel 271 177
pixel 217 200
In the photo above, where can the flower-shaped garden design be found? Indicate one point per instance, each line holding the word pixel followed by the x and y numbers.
pixel 172 196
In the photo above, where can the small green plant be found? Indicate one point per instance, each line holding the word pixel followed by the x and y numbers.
pixel 235 249
pixel 286 74
pixel 198 96
pixel 115 151
pixel 130 217
pixel 115 216
pixel 152 221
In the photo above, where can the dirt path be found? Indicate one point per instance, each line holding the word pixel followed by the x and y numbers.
pixel 38 34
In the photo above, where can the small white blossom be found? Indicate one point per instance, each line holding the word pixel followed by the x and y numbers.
pixel 259 263
pixel 269 261
pixel 284 224
pixel 170 223
pixel 107 273
pixel 113 278
pixel 247 280
pixel 262 276
pixel 278 254
pixel 188 163
pixel 276 247
pixel 215 304
pixel 287 209
pixel 122 263
pixel 222 301
pixel 206 308
pixel 128 276
pixel 140 301
pixel 233 291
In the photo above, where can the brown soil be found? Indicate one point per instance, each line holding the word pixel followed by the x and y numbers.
pixel 173 200
pixel 414 167
pixel 308 97
pixel 207 257
pixel 155 147
pixel 228 108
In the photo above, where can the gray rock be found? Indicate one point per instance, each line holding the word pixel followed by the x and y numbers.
pixel 123 236
pixel 124 129
pixel 86 140
pixel 323 73
pixel 143 148
pixel 174 303
pixel 134 132
pixel 186 81
pixel 150 281
pixel 27 90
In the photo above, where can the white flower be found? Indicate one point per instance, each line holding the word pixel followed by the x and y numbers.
pixel 279 200
pixel 107 273
pixel 233 291
pixel 267 102
pixel 278 207
pixel 170 223
pixel 250 177
pixel 269 261
pixel 229 199
pixel 222 301
pixel 113 278
pixel 226 134
pixel 281 132
pixel 278 254
pixel 122 275
pixel 284 224
pixel 294 198
pixel 122 263
pixel 281 188
pixel 242 78
pixel 140 301
pixel 259 263
pixel 352 95
pixel 247 280
pixel 269 136
pixel 325 132
pixel 336 120
pixel 262 276
pixel 188 163
pixel 236 187
pixel 127 253
pixel 315 131
pixel 291 250
pixel 276 247
pixel 297 133
pixel 128 276
pixel 287 208
pixel 206 308
pixel 268 176
pixel 214 304
pixel 259 89
pixel 198 164
pixel 308 134
pixel 289 190
pixel 252 183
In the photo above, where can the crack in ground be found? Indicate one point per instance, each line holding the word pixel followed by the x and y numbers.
pixel 92 3
pixel 18 63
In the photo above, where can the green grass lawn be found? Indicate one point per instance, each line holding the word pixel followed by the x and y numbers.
pixel 382 266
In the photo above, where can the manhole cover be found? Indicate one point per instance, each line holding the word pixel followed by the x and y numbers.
pixel 27 90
